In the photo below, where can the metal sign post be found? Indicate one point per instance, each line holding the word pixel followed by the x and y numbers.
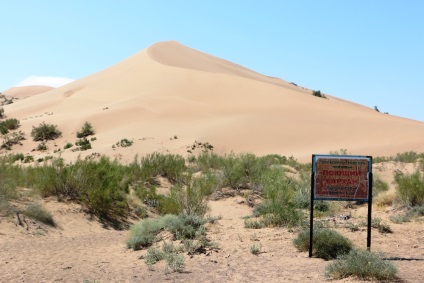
pixel 341 178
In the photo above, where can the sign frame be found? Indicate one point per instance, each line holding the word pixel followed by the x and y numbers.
pixel 341 178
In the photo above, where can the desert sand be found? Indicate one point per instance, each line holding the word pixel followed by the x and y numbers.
pixel 169 90
pixel 165 98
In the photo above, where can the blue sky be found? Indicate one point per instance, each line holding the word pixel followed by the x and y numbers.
pixel 369 52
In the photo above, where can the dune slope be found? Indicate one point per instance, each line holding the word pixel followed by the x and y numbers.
pixel 168 96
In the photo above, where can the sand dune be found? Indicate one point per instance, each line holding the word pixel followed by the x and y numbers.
pixel 169 90
pixel 26 91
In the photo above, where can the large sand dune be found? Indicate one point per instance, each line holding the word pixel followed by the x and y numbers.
pixel 170 90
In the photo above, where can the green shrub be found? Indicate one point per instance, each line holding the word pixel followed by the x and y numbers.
pixel 86 130
pixel 407 157
pixel 83 144
pixel 326 244
pixel 68 145
pixel 41 146
pixel 10 139
pixel 144 233
pixel 169 166
pixel 363 265
pixel 124 143
pixel 175 262
pixel 2 113
pixel 45 132
pixel 28 159
pixel 9 124
pixel 412 213
pixel 382 227
pixel 37 212
pixel 378 186
pixel 255 249
pixel 410 188
pixel 153 256
pixel 279 206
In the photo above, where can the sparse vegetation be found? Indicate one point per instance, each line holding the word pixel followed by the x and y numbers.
pixel 410 188
pixel 83 144
pixel 45 132
pixel 363 265
pixel 86 130
pixel 318 93
pixel 37 212
pixel 326 244
pixel 8 125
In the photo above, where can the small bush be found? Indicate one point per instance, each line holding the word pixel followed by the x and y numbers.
pixel 9 124
pixel 87 130
pixel 255 249
pixel 45 132
pixel 382 227
pixel 153 256
pixel 10 139
pixel 327 244
pixel 410 214
pixel 175 262
pixel 68 145
pixel 41 147
pixel 317 93
pixel 2 113
pixel 83 144
pixel 410 188
pixel 37 212
pixel 378 186
pixel 143 234
pixel 363 265
pixel 124 143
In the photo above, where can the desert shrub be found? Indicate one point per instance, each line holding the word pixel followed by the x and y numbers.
pixel 124 143
pixel 2 115
pixel 255 249
pixel 45 132
pixel 8 184
pixel 191 198
pixel 41 146
pixel 86 130
pixel 10 139
pixel 363 265
pixel 153 256
pixel 9 124
pixel 28 159
pixel 382 227
pixel 278 207
pixel 37 212
pixel 144 233
pixel 83 144
pixel 378 186
pixel 100 185
pixel 410 188
pixel 385 199
pixel 317 93
pixel 184 226
pixel 410 214
pixel 253 224
pixel 68 145
pixel 167 165
pixel 17 156
pixel 407 157
pixel 175 262
pixel 326 244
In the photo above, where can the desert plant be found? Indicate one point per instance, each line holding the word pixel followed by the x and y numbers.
pixel 41 146
pixel 317 93
pixel 382 227
pixel 86 130
pixel 410 214
pixel 83 144
pixel 37 212
pixel 68 145
pixel 153 256
pixel 144 233
pixel 9 124
pixel 326 244
pixel 175 262
pixel 378 186
pixel 10 139
pixel 2 113
pixel 363 265
pixel 410 188
pixel 255 249
pixel 124 143
pixel 45 132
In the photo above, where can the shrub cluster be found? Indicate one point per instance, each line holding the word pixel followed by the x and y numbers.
pixel 45 132
pixel 86 130
pixel 410 188
pixel 363 265
pixel 326 244
pixel 9 124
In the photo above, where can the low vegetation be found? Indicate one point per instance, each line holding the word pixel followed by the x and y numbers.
pixel 326 244
pixel 45 132
pixel 86 130
pixel 363 265
pixel 410 188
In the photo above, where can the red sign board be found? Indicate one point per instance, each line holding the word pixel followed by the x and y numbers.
pixel 340 177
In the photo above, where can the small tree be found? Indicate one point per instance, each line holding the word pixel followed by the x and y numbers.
pixel 86 130
pixel 45 132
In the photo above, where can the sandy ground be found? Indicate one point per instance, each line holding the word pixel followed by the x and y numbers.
pixel 81 249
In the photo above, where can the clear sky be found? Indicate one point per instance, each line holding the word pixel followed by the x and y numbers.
pixel 367 51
